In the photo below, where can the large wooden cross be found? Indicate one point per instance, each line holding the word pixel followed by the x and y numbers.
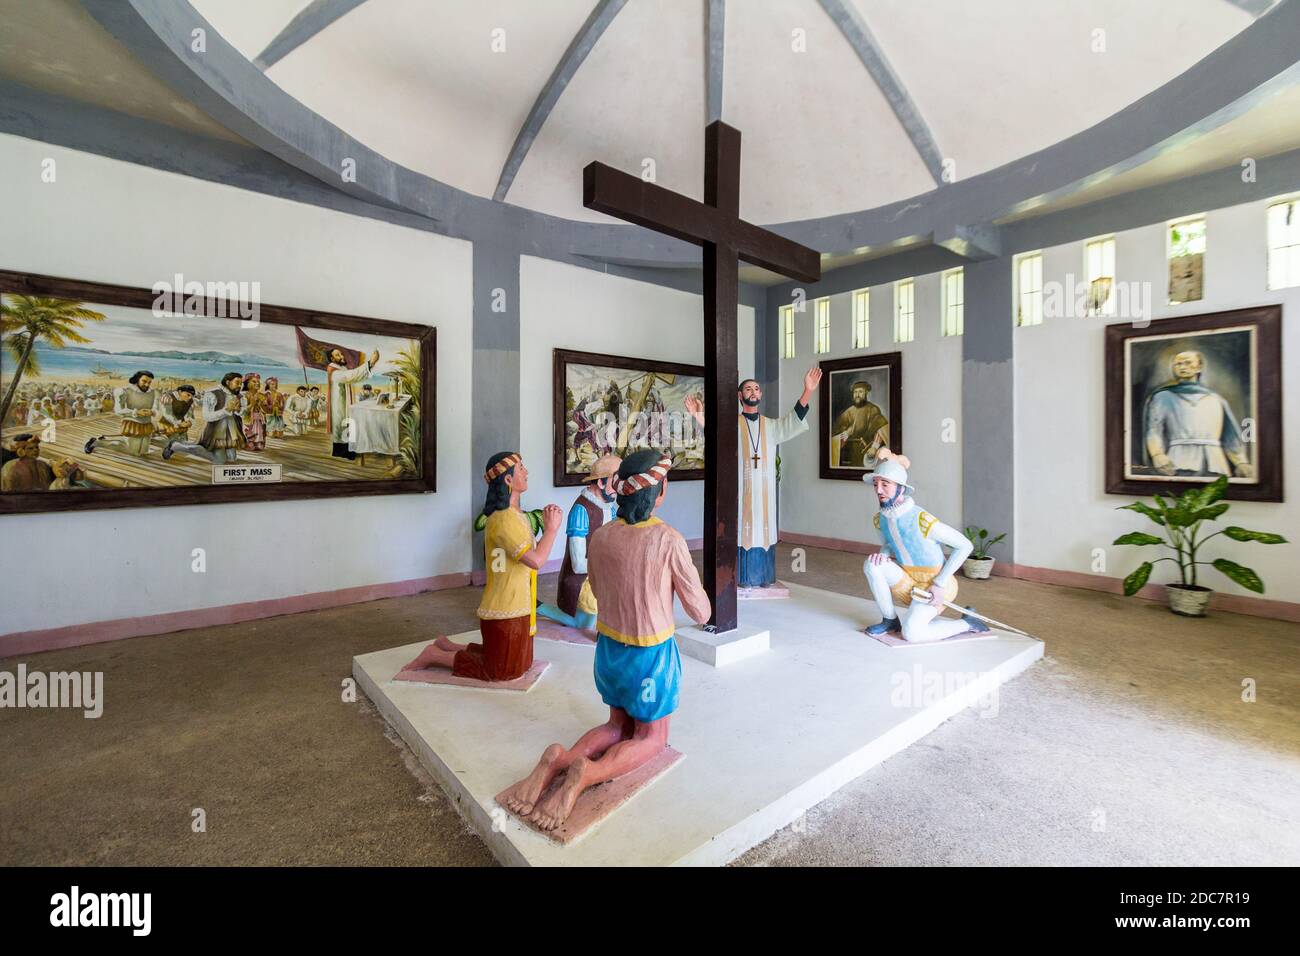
pixel 715 225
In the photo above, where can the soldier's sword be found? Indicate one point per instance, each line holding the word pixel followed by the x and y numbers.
pixel 925 596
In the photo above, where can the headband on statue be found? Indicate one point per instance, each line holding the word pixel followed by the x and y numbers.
pixel 500 468
pixel 634 483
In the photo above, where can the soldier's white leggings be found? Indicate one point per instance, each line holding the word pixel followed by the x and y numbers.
pixel 921 622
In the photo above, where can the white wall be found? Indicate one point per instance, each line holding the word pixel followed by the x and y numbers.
pixel 108 221
pixel 931 395
pixel 1063 512
pixel 568 307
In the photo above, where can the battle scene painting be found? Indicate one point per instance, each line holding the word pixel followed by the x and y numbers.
pixel 607 403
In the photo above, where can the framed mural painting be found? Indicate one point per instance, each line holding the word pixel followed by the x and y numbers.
pixel 860 411
pixel 609 403
pixel 1189 399
pixel 117 397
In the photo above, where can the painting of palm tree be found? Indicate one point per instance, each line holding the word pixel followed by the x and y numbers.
pixel 406 369
pixel 28 319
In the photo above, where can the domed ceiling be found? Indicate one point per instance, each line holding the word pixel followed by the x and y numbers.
pixel 855 114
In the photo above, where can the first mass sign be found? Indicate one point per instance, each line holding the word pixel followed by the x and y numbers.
pixel 245 474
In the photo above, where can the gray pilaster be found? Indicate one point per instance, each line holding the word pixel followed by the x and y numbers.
pixel 767 344
pixel 988 403
pixel 494 398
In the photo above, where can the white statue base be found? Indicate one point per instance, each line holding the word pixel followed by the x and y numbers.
pixel 719 650
pixel 764 740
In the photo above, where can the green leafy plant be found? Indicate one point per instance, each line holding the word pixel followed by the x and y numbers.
pixel 1181 518
pixel 982 542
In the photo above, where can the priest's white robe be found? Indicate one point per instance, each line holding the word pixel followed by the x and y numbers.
pixel 339 380
pixel 757 499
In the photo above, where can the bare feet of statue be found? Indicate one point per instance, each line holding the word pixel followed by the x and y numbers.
pixel 555 809
pixel 523 796
pixel 429 657
pixel 446 643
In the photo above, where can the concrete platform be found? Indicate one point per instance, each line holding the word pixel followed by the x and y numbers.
pixel 765 739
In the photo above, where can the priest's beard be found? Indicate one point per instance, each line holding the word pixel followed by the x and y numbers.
pixel 750 403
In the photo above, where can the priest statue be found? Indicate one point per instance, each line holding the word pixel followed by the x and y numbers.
pixel 759 438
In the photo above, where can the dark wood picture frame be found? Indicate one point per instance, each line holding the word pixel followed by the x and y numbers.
pixel 1267 322
pixel 218 310
pixel 893 361
pixel 561 359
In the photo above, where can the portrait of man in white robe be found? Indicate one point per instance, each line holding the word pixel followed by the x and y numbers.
pixel 1189 425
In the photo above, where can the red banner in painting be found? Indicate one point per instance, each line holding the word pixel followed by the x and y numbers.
pixel 313 353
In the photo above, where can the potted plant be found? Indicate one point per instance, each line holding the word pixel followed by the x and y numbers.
pixel 1181 518
pixel 979 565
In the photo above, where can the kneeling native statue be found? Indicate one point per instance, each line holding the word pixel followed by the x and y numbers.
pixel 635 565
pixel 575 605
pixel 507 615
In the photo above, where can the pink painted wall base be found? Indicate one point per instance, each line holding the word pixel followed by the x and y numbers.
pixel 1234 603
pixel 33 642
pixel 96 632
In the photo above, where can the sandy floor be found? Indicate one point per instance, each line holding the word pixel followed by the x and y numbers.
pixel 1128 744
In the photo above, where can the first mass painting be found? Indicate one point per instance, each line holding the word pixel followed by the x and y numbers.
pixel 116 397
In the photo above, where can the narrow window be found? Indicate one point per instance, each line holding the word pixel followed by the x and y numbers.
pixel 904 310
pixel 1029 289
pixel 822 340
pixel 953 282
pixel 1284 244
pixel 862 319
pixel 1099 260
pixel 787 331
pixel 1186 260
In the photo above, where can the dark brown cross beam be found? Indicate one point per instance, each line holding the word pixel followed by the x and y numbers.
pixel 715 225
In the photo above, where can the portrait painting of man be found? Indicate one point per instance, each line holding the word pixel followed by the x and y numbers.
pixel 1195 403
pixel 860 413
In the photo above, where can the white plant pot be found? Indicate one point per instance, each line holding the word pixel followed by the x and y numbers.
pixel 1188 601
pixel 977 569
